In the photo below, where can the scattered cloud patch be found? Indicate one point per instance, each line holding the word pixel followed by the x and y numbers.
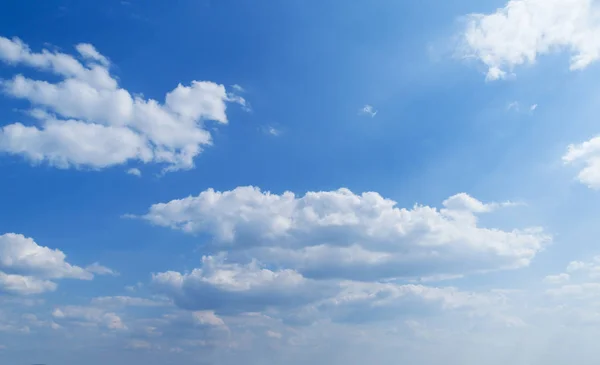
pixel 89 315
pixel 272 131
pixel 339 234
pixel 238 88
pixel 135 172
pixel 368 110
pixel 28 268
pixel 87 121
pixel 522 30
pixel 586 154
pixel 514 105
pixel 557 279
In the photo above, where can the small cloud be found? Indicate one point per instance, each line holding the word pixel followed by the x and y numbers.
pixel 557 279
pixel 98 269
pixel 134 172
pixel 231 97
pixel 273 131
pixel 368 110
pixel 273 334
pixel 495 73
pixel 134 288
pixel 514 105
pixel 238 88
pixel 39 114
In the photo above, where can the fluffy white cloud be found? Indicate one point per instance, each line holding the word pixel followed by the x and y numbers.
pixel 524 29
pixel 21 254
pixel 28 268
pixel 588 155
pixel 24 285
pixel 99 124
pixel 345 235
pixel 218 285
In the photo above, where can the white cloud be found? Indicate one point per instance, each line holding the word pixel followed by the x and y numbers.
pixel 135 172
pixel 272 131
pixel 364 301
pixel 588 155
pixel 28 268
pixel 24 285
pixel 21 254
pixel 238 88
pixel 582 277
pixel 524 29
pixel 368 110
pixel 88 51
pixel 273 334
pixel 217 285
pixel 97 123
pixel 513 106
pixel 98 269
pixel 557 279
pixel 208 318
pixel 576 290
pixel 341 234
pixel 92 315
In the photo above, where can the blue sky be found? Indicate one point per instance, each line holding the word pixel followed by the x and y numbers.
pixel 216 182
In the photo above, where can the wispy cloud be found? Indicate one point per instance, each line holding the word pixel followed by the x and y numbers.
pixel 368 110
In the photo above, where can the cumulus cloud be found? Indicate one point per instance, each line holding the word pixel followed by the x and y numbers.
pixel 339 234
pixel 236 287
pixel 522 30
pixel 28 268
pixel 24 285
pixel 233 289
pixel 86 120
pixel 586 154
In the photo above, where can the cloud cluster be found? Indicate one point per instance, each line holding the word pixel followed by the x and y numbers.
pixel 339 234
pixel 89 315
pixel 87 121
pixel 28 268
pixel 524 29
pixel 588 155
pixel 288 251
pixel 580 280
